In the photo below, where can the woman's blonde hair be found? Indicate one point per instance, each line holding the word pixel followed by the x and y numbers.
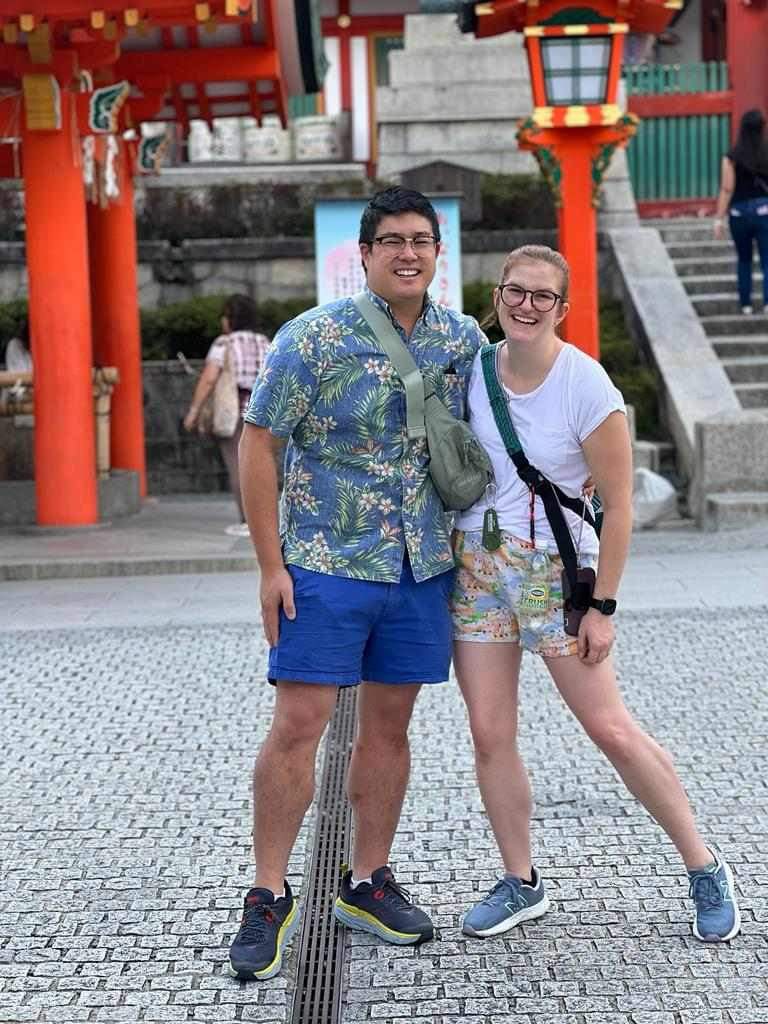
pixel 543 254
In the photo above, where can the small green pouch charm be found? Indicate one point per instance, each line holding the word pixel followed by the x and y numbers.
pixel 491 531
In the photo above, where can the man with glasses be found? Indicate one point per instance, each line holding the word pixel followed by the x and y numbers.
pixel 355 582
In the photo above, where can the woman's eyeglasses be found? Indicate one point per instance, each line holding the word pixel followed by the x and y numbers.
pixel 542 299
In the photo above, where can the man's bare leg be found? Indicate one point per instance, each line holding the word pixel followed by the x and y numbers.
pixel 378 771
pixel 284 775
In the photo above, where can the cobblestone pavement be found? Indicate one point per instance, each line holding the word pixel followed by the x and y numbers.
pixel 124 836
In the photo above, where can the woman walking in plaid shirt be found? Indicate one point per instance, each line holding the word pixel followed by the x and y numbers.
pixel 238 325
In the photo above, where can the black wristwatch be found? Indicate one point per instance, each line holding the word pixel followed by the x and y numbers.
pixel 607 606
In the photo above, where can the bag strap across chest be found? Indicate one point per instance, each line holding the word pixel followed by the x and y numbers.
pixel 402 360
pixel 551 495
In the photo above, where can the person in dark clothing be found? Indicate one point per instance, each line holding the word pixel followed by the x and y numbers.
pixel 744 198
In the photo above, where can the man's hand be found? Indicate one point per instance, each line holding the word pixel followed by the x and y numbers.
pixel 276 591
pixel 190 420
pixel 595 639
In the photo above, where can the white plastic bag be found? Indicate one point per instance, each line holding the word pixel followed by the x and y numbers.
pixel 653 499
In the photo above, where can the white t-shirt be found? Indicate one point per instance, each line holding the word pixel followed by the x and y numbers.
pixel 551 422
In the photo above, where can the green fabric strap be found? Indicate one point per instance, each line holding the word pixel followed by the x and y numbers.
pixel 402 360
pixel 498 402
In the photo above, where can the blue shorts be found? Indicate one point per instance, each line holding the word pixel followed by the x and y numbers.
pixel 347 631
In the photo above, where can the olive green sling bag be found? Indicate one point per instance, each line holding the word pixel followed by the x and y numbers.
pixel 458 464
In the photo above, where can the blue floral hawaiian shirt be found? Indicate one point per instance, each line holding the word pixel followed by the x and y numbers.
pixel 357 493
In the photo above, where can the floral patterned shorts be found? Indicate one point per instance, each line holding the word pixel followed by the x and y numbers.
pixel 487 590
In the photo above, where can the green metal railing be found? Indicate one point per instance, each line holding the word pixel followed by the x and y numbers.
pixel 659 79
pixel 302 106
pixel 677 157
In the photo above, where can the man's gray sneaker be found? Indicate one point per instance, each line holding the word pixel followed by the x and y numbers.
pixel 510 902
pixel 717 917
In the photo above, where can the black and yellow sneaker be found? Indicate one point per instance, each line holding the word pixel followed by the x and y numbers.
pixel 267 926
pixel 383 908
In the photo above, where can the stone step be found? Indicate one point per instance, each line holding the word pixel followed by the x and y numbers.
pixel 739 508
pixel 696 266
pixel 713 284
pixel 453 101
pixel 724 303
pixel 747 369
pixel 731 346
pixel 690 232
pixel 735 323
pixel 496 64
pixel 704 247
pixel 752 396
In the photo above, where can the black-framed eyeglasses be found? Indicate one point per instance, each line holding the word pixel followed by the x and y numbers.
pixel 396 243
pixel 542 299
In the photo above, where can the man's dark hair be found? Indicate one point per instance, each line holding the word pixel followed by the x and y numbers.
pixel 240 310
pixel 393 201
pixel 751 149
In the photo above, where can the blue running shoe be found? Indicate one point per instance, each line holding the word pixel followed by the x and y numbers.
pixel 266 927
pixel 510 902
pixel 383 908
pixel 717 917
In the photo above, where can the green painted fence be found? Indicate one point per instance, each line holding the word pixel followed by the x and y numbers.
pixel 302 106
pixel 677 157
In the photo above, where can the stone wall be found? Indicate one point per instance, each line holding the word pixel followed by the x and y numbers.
pixel 177 462
pixel 266 268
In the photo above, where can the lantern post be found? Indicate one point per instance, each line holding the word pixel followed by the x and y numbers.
pixel 574 60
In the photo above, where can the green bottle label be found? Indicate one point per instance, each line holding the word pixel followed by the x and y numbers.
pixel 491 531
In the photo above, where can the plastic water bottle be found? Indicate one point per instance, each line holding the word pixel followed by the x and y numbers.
pixel 535 591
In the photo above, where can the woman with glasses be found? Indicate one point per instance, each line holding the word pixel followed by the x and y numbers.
pixel 571 424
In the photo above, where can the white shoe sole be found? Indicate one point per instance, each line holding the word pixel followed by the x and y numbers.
pixel 529 914
pixel 736 919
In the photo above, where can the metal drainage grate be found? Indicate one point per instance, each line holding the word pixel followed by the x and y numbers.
pixel 321 955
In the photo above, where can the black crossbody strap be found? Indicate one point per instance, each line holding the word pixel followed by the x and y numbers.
pixel 551 495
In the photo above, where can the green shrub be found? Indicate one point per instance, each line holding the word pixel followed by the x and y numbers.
pixel 191 326
pixel 12 314
pixel 516 201
pixel 627 368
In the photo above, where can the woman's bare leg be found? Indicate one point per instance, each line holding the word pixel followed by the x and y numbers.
pixel 488 676
pixel 592 694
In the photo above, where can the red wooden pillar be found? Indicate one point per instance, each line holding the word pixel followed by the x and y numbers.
pixel 115 311
pixel 747 34
pixel 60 323
pixel 577 240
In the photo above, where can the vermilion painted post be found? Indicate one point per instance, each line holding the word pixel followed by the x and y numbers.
pixel 60 322
pixel 577 240
pixel 116 326
pixel 747 32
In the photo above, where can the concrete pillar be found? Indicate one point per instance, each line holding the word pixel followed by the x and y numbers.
pixel 115 311
pixel 60 323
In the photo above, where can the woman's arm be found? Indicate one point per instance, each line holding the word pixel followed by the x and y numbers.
pixel 608 452
pixel 727 185
pixel 205 385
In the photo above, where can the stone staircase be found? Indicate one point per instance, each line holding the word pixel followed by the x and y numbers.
pixel 707 269
pixel 679 291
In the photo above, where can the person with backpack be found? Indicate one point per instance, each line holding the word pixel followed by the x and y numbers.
pixel 743 198
pixel 537 395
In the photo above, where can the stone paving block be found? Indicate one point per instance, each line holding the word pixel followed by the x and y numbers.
pixel 120 845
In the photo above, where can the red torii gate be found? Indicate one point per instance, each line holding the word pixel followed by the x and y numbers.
pixel 75 78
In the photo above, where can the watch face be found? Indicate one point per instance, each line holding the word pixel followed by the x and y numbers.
pixel 609 606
